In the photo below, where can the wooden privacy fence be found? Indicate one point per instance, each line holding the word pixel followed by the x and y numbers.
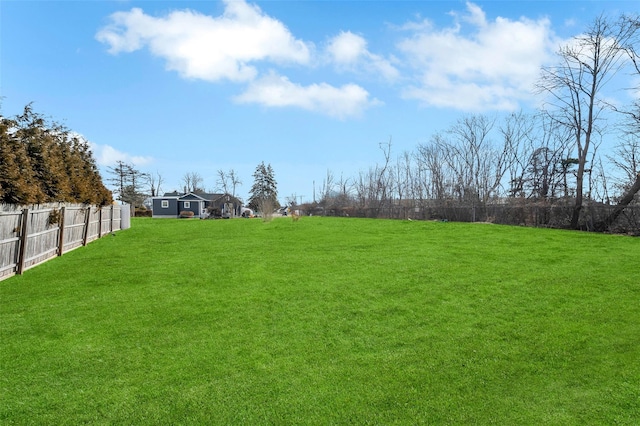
pixel 33 235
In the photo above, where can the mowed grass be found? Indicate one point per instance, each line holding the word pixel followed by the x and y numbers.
pixel 326 321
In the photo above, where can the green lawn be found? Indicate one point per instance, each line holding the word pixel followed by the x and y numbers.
pixel 326 321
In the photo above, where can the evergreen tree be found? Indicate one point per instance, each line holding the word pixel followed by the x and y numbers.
pixel 264 192
pixel 18 185
pixel 43 147
pixel 91 190
pixel 41 162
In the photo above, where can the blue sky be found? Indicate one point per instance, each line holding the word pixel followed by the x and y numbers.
pixel 176 87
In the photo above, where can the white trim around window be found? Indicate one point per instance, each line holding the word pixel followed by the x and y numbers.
pixel 187 204
pixel 165 204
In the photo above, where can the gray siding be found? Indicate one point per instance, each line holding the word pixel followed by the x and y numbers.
pixel 193 207
pixel 159 211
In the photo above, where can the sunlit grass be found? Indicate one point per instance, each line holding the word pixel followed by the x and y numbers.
pixel 326 321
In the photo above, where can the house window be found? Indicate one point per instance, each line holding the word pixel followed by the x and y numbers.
pixel 165 204
pixel 187 204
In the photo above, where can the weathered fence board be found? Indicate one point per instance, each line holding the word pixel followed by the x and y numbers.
pixel 32 235
pixel 41 237
pixel 74 225
pixel 9 242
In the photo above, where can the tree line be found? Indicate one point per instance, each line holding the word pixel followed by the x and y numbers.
pixel 42 161
pixel 551 157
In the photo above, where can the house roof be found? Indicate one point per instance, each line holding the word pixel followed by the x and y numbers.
pixel 193 196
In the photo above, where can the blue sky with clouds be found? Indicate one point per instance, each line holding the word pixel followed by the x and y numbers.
pixel 307 86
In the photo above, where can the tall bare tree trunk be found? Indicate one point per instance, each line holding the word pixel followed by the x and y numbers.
pixel 575 84
pixel 624 202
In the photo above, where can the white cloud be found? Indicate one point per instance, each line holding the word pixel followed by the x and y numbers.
pixel 491 67
pixel 349 51
pixel 230 47
pixel 277 91
pixel 106 155
pixel 205 47
pixel 419 25
pixel 476 15
pixel 347 48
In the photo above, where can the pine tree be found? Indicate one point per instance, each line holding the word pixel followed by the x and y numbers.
pixel 264 192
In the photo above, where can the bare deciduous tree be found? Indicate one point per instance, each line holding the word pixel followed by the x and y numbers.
pixel 192 182
pixel 155 181
pixel 227 182
pixel 234 181
pixel 327 188
pixel 575 86
pixel 626 158
pixel 517 131
pixel 432 170
pixel 222 182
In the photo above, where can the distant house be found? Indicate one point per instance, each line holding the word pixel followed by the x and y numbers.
pixel 202 204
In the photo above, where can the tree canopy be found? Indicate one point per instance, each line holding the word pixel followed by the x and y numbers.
pixel 264 192
pixel 42 161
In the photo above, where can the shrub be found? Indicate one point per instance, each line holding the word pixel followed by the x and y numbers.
pixel 267 206
pixel 143 213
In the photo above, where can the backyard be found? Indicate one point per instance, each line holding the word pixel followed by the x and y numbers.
pixel 326 321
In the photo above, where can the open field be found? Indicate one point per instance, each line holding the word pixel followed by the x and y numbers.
pixel 326 321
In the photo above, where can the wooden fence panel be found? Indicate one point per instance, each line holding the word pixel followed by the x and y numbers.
pixel 9 242
pixel 42 237
pixel 32 235
pixel 107 224
pixel 116 219
pixel 94 223
pixel 74 222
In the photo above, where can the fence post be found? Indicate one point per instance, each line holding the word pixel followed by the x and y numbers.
pixel 23 241
pixel 87 219
pixel 111 220
pixel 61 232
pixel 99 222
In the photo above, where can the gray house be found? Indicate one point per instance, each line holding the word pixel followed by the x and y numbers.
pixel 202 204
